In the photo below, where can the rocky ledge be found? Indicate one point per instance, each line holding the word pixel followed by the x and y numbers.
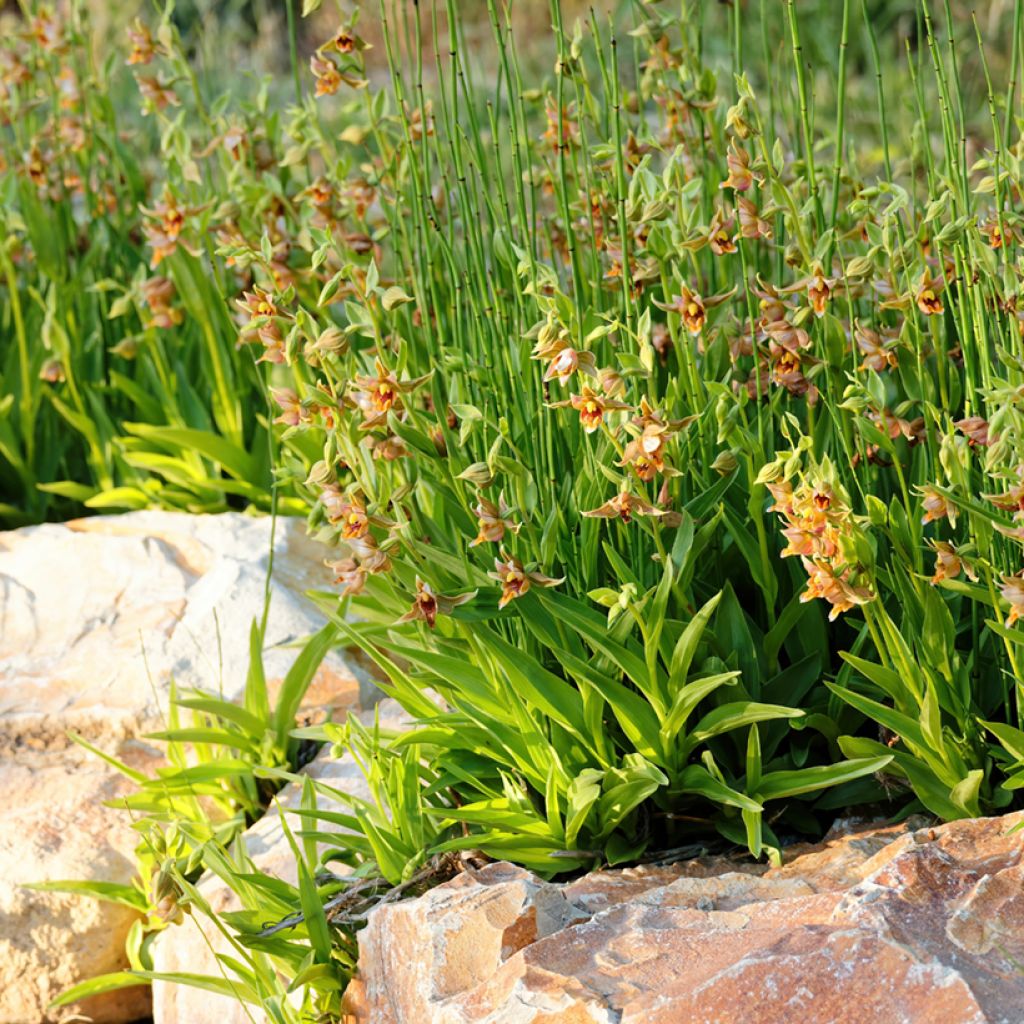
pixel 893 926
pixel 897 925
pixel 97 616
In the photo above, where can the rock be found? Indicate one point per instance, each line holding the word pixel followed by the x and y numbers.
pixel 891 925
pixel 54 826
pixel 96 616
pixel 191 946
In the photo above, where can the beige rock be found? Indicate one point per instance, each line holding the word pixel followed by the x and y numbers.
pixel 191 946
pixel 887 926
pixel 97 615
pixel 53 826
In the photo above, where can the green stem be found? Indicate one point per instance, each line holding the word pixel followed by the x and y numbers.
pixel 293 49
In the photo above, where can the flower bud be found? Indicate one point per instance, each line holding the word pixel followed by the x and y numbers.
pixel 724 464
pixel 611 382
pixel 331 341
pixel 479 474
pixel 320 474
pixel 126 348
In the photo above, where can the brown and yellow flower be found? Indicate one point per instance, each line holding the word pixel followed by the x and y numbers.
pixel 824 582
pixel 592 407
pixel 692 308
pixel 563 360
pixel 515 580
pixel 292 411
pixel 390 449
pixel 772 305
pixel 493 521
pixel 156 93
pixel 936 506
pixel 819 289
pixel 258 304
pixel 720 239
pixel 328 77
pixel 379 395
pixel 1012 590
pixel 877 349
pixel 646 452
pixel 355 523
pixel 1011 500
pixel 158 294
pixel 752 224
pixel 927 296
pixel 143 50
pixel 319 192
pixel 949 564
pixel 344 41
pixel 350 575
pixel 163 224
pixel 427 605
pixel 996 235
pixel 976 430
pixel 561 127
pixel 740 176
pixel 625 506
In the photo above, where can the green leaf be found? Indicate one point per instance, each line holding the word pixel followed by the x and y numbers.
pixel 635 715
pixel 97 986
pixel 778 785
pixel 395 296
pixel 902 725
pixel 582 794
pixel 734 716
pixel 687 699
pixel 217 737
pixel 297 679
pixel 655 621
pixel 119 497
pixel 625 789
pixel 686 645
pixel 230 987
pixel 885 679
pixel 927 786
pixel 594 631
pixel 1012 739
pixel 130 773
pixel 540 688
pixel 314 917
pixel 111 892
pixel 257 701
pixel 697 779
pixel 212 446
pixel 246 720
pixel 965 794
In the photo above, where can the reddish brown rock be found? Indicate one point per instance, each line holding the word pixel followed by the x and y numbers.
pixel 888 926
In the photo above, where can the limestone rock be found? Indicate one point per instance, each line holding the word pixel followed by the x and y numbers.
pixel 98 614
pixel 53 826
pixel 891 925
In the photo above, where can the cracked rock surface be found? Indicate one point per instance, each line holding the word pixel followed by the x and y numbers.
pixel 96 616
pixel 889 926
